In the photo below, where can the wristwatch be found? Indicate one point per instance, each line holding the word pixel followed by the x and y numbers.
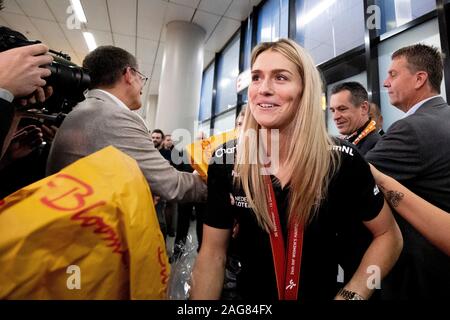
pixel 349 295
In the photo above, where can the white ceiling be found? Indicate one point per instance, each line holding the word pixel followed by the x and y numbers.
pixel 138 26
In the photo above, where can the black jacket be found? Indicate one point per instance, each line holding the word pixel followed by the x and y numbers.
pixel 6 117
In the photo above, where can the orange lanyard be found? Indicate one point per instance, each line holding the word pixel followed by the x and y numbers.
pixel 287 269
pixel 370 127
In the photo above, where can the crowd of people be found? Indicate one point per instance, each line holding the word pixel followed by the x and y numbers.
pixel 373 204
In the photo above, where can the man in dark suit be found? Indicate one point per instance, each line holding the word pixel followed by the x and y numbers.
pixel 416 152
pixel 106 118
pixel 350 108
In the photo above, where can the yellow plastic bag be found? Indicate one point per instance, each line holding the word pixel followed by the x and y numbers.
pixel 87 232
pixel 200 152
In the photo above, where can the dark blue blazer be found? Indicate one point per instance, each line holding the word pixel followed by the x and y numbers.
pixel 416 152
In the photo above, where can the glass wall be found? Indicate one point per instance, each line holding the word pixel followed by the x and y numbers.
pixel 247 44
pixel 204 127
pixel 273 21
pixel 244 96
pixel 328 28
pixel 227 73
pixel 225 122
pixel 206 93
pixel 395 13
pixel 427 33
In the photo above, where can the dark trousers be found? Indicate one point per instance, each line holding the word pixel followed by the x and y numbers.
pixel 185 213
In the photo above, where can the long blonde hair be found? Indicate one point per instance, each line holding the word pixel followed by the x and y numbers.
pixel 310 157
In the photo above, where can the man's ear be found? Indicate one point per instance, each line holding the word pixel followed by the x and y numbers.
pixel 127 76
pixel 421 79
pixel 365 108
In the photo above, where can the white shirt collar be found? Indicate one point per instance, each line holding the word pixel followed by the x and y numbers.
pixel 123 105
pixel 417 106
pixel 117 100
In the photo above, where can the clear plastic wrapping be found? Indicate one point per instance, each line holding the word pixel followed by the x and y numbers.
pixel 182 265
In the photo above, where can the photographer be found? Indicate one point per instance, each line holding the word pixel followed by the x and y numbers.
pixel 22 70
pixel 21 77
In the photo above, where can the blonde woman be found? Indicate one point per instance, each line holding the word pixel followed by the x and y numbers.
pixel 292 222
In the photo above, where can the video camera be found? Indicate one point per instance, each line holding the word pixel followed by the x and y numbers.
pixel 69 81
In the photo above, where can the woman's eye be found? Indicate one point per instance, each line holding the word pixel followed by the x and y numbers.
pixel 281 77
pixel 255 77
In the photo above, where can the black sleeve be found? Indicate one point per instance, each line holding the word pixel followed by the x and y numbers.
pixel 219 212
pixel 357 187
pixel 368 143
pixel 6 117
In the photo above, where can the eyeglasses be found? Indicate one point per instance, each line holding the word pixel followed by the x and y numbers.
pixel 143 77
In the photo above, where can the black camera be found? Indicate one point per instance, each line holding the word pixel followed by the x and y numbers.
pixel 69 81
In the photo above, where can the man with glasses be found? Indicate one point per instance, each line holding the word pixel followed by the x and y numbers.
pixel 105 118
pixel 143 77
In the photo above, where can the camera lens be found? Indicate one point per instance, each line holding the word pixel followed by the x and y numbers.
pixel 68 79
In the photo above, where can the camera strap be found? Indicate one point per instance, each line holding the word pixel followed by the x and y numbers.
pixel 286 264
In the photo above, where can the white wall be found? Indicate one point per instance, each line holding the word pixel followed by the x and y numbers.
pixel 150 111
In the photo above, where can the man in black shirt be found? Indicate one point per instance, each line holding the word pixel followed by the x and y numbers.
pixel 350 108
pixel 157 139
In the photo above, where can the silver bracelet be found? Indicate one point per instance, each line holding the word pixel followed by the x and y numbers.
pixel 350 295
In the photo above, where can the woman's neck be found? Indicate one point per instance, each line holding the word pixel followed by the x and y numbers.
pixel 277 148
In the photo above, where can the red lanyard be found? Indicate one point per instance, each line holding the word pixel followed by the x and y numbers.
pixel 287 269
